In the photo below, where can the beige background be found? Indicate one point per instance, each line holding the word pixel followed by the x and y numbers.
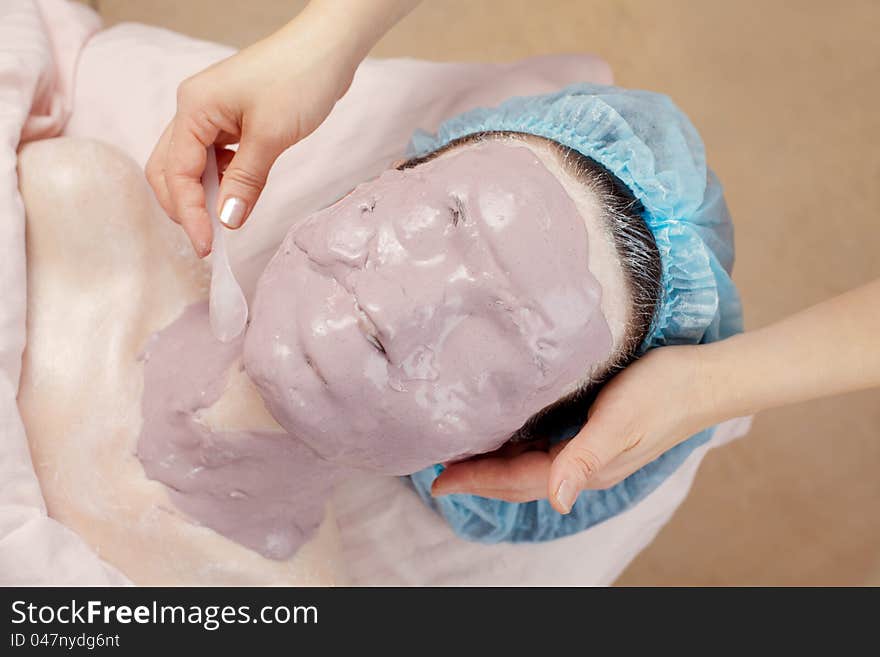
pixel 786 96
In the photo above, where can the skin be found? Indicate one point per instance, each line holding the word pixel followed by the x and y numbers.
pixel 674 392
pixel 98 287
pixel 87 326
pixel 257 99
pixel 238 100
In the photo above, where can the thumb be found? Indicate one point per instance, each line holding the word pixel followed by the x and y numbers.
pixel 579 461
pixel 244 179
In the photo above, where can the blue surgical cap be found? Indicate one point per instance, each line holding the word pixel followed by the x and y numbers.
pixel 652 147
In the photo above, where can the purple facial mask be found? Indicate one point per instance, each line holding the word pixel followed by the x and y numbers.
pixel 263 489
pixel 427 315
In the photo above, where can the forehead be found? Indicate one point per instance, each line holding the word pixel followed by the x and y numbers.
pixel 604 261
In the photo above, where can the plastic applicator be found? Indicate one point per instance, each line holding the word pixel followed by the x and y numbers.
pixel 228 308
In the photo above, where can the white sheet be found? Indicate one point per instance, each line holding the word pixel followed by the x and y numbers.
pixel 60 75
pixel 36 76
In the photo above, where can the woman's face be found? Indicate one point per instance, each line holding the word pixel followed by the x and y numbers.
pixel 427 315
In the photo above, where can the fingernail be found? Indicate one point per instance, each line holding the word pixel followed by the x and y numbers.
pixel 566 495
pixel 232 212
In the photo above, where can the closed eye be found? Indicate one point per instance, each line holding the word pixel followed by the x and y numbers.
pixel 457 211
pixel 377 344
pixel 368 328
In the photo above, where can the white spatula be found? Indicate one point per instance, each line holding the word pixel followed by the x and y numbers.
pixel 228 309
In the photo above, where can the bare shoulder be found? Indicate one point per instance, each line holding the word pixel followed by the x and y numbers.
pixel 88 203
pixel 98 246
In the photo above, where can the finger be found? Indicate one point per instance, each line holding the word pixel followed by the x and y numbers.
pixel 506 451
pixel 225 138
pixel 245 176
pixel 623 466
pixel 578 463
pixel 224 157
pixel 518 479
pixel 155 172
pixel 184 166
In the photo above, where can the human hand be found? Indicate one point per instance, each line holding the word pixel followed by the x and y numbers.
pixel 648 408
pixel 265 98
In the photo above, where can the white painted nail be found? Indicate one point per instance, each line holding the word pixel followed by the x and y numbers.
pixel 566 495
pixel 232 212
